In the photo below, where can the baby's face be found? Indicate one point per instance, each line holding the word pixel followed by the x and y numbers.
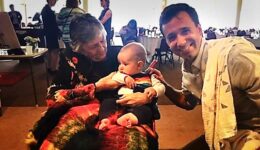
pixel 128 64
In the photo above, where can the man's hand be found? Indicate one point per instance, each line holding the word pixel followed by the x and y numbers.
pixel 134 99
pixel 130 82
pixel 156 73
pixel 150 92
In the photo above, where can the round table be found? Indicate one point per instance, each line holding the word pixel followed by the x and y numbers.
pixel 150 44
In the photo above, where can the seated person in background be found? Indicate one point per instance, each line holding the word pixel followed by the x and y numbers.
pixel 241 33
pixel 132 58
pixel 128 33
pixel 211 34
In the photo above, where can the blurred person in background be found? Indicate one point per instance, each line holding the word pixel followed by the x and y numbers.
pixel 106 19
pixel 15 16
pixel 52 33
pixel 128 33
pixel 64 18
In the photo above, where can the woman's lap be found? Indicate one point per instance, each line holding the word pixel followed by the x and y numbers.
pixel 70 123
pixel 73 122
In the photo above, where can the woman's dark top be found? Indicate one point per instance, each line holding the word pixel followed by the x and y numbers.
pixel 107 24
pixel 75 69
pixel 51 30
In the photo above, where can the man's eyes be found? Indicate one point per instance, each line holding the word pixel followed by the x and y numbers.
pixel 185 31
pixel 172 37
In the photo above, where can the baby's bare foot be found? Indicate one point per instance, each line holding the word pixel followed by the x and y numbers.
pixel 104 123
pixel 127 120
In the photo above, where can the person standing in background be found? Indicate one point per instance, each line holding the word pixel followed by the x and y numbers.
pixel 15 17
pixel 64 18
pixel 51 32
pixel 106 18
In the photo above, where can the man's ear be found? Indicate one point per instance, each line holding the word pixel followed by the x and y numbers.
pixel 140 64
pixel 199 29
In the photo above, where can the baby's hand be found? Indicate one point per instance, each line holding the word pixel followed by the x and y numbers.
pixel 130 82
pixel 104 124
pixel 150 92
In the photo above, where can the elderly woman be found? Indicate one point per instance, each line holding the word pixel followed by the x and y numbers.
pixel 71 98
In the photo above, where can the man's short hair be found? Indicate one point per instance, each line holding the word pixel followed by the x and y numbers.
pixel 173 10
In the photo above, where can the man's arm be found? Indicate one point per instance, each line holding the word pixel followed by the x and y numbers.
pixel 20 16
pixel 106 17
pixel 185 101
pixel 244 72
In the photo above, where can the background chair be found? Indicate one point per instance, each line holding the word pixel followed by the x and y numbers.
pixel 112 36
pixel 163 52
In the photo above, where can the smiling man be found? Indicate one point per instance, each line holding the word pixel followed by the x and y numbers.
pixel 223 75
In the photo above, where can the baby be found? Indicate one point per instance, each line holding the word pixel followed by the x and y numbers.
pixel 132 58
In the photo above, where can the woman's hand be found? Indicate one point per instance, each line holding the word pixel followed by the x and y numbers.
pixel 88 89
pixel 134 99
pixel 106 83
pixel 150 91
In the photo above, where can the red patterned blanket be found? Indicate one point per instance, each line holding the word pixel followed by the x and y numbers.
pixel 73 129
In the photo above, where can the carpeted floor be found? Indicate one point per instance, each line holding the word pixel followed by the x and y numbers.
pixel 15 123
pixel 175 128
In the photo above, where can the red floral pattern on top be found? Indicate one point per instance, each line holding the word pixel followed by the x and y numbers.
pixel 75 60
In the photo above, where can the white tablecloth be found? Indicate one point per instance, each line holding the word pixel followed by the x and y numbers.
pixel 150 44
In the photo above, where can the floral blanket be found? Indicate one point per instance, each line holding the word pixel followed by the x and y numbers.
pixel 69 124
pixel 73 126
